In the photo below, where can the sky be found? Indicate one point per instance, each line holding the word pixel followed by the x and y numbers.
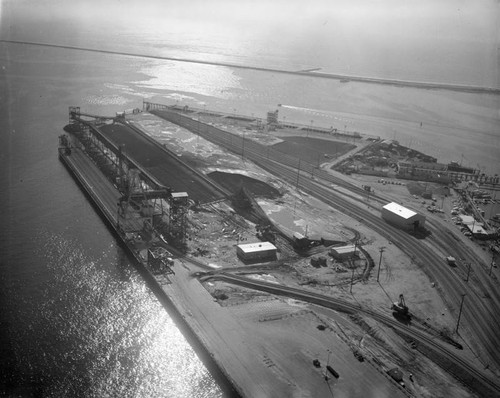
pixel 462 32
pixel 446 17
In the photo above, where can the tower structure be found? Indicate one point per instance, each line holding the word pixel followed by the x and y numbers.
pixel 178 216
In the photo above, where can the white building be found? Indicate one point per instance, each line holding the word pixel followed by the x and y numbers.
pixel 402 217
pixel 343 252
pixel 256 251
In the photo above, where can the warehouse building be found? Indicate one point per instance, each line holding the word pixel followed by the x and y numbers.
pixel 256 251
pixel 343 252
pixel 402 217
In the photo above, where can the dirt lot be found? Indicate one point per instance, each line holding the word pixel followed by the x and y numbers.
pixel 216 229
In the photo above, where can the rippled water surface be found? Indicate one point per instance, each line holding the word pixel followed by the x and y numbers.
pixel 76 319
pixel 91 332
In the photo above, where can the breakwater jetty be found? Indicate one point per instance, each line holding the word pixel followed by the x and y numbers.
pixel 312 72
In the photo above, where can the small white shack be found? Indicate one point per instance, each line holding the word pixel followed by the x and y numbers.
pixel 402 217
pixel 256 251
pixel 343 252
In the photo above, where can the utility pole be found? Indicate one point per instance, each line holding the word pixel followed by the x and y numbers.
pixel 468 272
pixel 298 175
pixel 243 146
pixel 198 135
pixel 460 312
pixel 327 363
pixel 492 263
pixel 352 280
pixel 381 250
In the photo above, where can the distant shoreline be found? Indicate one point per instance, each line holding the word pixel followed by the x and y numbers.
pixel 307 73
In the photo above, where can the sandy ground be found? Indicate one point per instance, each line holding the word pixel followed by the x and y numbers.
pixel 268 342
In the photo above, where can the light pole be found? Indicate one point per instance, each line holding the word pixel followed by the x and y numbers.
pixel 460 312
pixel 243 145
pixel 468 272
pixel 381 250
pixel 327 364
pixel 298 175
pixel 198 135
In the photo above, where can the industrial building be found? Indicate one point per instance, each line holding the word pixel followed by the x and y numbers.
pixel 343 252
pixel 427 171
pixel 256 251
pixel 402 217
pixel 476 228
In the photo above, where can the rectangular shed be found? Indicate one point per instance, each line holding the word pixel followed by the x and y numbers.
pixel 256 251
pixel 343 252
pixel 402 217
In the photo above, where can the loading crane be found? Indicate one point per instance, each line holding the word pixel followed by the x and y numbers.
pixel 400 308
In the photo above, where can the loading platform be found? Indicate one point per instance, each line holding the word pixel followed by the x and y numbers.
pixel 133 228
pixel 102 192
pixel 158 166
pixel 135 232
pixel 149 177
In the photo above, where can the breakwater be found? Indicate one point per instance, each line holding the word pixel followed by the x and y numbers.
pixel 306 73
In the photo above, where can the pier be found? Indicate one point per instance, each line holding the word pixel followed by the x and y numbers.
pixel 157 262
pixel 128 196
pixel 116 164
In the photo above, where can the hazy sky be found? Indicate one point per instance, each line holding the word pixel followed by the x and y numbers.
pixel 462 32
pixel 446 17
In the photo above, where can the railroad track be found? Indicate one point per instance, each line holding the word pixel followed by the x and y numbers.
pixel 478 316
pixel 491 386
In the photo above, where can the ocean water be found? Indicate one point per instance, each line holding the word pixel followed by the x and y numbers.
pixel 76 318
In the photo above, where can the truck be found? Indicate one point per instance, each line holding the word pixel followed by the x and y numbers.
pixel 451 261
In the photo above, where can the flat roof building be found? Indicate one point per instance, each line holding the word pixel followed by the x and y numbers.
pixel 467 220
pixel 402 217
pixel 343 252
pixel 256 251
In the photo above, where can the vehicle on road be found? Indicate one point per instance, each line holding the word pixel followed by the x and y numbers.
pixel 451 261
